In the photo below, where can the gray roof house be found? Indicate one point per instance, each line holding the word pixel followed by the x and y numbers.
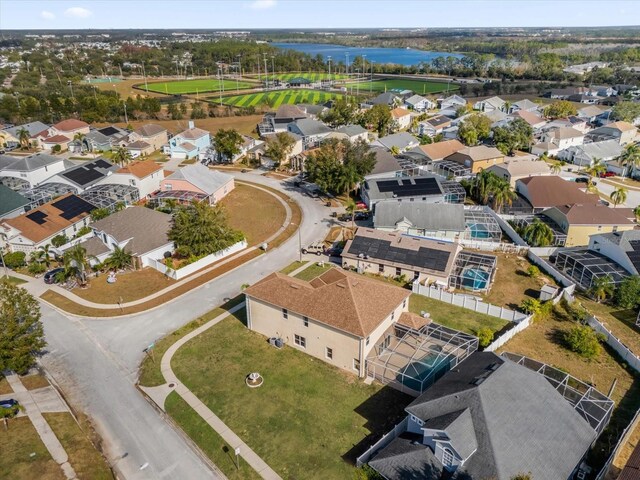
pixel 85 175
pixel 418 103
pixel 490 418
pixel 526 105
pixel 311 131
pixel 32 127
pixel 434 220
pixel 12 203
pixel 585 155
pixel 386 98
pixel 33 169
pixel 400 189
pixel 386 164
pixel 401 140
pixel 354 132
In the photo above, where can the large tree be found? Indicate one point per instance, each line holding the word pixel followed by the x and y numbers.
pixel 627 111
pixel 78 262
pixel 518 134
pixel 343 112
pixel 378 118
pixel 538 234
pixel 627 294
pixel 21 332
pixel 199 229
pixel 474 128
pixel 630 158
pixel 279 147
pixel 559 109
pixel 503 194
pixel 227 143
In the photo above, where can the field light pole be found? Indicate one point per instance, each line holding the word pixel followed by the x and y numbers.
pixel 346 68
pixel 266 72
pixel 329 61
pixel 273 70
pixel 364 65
pixel 144 75
pixel 371 82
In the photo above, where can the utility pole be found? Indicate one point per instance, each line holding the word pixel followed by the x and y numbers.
pixel 126 119
pixel 71 88
pixel 220 84
pixel 364 65
pixel 273 71
pixel 371 82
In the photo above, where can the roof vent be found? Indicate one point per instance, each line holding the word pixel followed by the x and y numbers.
pixel 478 380
pixel 293 285
pixel 341 285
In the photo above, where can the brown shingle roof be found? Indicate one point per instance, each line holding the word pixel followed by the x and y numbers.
pixel 340 299
pixel 138 145
pixel 529 117
pixel 56 139
pixel 400 112
pixel 440 150
pixel 592 215
pixel 413 320
pixel 193 133
pixel 70 125
pixel 549 191
pixel 141 169
pixel 622 126
pixel 149 130
pixel 478 153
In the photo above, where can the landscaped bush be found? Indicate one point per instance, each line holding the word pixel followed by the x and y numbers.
pixel 15 259
pixel 36 268
pixel 583 340
pixel 485 336
pixel 627 294
pixel 59 240
pixel 533 271
pixel 83 231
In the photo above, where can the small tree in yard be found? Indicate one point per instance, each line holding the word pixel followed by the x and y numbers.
pixel 99 214
pixel 533 271
pixel 601 288
pixel 485 336
pixel 15 260
pixel 279 147
pixel 531 306
pixel 119 259
pixel 227 143
pixel 59 240
pixel 627 294
pixel 21 332
pixel 583 340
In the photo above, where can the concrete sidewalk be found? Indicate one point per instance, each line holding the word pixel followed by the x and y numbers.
pixel 47 436
pixel 201 409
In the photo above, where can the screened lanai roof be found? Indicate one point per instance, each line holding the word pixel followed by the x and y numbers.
pixel 585 265
pixel 46 192
pixel 180 196
pixel 453 191
pixel 473 271
pixel 481 225
pixel 108 195
pixel 448 168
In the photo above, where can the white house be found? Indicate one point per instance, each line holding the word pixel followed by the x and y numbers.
pixel 418 103
pixel 621 247
pixel 354 133
pixel 490 104
pixel 402 117
pixel 452 103
pixel 564 137
pixel 35 168
pixel 585 155
pixel 144 175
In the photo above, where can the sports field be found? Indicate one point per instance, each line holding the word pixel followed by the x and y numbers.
pixel 276 98
pixel 179 87
pixel 418 86
pixel 313 76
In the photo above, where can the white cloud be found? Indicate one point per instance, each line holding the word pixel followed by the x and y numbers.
pixel 78 12
pixel 47 15
pixel 262 4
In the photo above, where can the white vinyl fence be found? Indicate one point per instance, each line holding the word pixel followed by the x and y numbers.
pixel 195 266
pixel 614 342
pixel 509 334
pixel 558 276
pixel 386 439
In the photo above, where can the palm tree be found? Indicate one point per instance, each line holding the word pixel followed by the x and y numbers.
pixel 119 206
pixel 42 255
pixel 592 187
pixel 597 168
pixel 119 259
pixel 121 156
pixel 24 138
pixel 79 137
pixel 538 234
pixel 483 185
pixel 630 157
pixel 619 196
pixel 503 194
pixel 601 288
pixel 351 209
pixel 556 168
pixel 77 261
pixel 636 212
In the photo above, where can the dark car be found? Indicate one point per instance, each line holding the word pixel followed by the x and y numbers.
pixel 584 180
pixel 333 251
pixel 8 403
pixel 362 215
pixel 50 276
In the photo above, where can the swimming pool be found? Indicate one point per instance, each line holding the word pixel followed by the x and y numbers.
pixel 475 278
pixel 479 230
pixel 421 373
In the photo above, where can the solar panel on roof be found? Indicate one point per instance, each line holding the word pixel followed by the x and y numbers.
pixel 635 259
pixel 635 244
pixel 108 131
pixel 73 206
pixel 38 217
pixel 83 175
pixel 102 163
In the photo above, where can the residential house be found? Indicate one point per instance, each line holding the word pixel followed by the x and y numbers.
pixel 590 113
pixel 434 125
pixel 49 144
pixel 437 151
pixel 338 317
pixel 564 137
pixel 314 111
pixel 197 178
pixel 387 165
pixel 354 133
pixel 69 128
pixel 603 90
pixel 140 231
pixel 426 188
pixel 153 135
pixel 587 98
pixel 466 424
pixel 419 103
pixel 498 118
pixel 144 175
pixel 10 137
pixel 421 219
pixel 580 221
pixel 248 143
pixel 452 103
pixel 535 121
pixel 259 151
pixel 103 139
pixel 400 141
pixel 565 93
pixel 477 158
pixel 583 68
pixel 191 143
pixel 525 105
pixel 490 104
pixel 401 117
pixel 544 192
pixel 518 167
pixel 12 204
pixel 311 131
pixel 33 169
pixel 276 122
pixel 623 132
pixel 63 216
pixel 623 247
pixel 586 155
pixel 392 254
pixel 85 175
pixel 390 99
pixel 139 148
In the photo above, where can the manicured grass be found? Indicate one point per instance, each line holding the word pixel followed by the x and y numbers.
pixel 621 322
pixel 12 280
pixel 308 420
pixel 276 98
pixel 544 341
pixel 83 457
pixel 254 212
pixel 201 85
pixel 313 76
pixel 129 286
pixel 312 271
pixel 17 445
pixel 512 285
pixel 418 86
pixel 454 317
pixel 33 382
pixel 292 267
pixel 212 444
pixel 150 374
pixel 4 386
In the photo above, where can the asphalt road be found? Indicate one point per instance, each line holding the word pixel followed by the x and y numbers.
pixel 633 196
pixel 96 360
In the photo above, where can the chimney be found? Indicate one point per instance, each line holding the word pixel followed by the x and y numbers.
pixel 191 124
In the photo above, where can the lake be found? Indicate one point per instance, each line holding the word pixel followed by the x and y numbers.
pixel 402 56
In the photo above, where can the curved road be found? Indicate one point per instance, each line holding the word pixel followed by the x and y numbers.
pixel 96 360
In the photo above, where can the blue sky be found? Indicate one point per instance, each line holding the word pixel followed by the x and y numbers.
pixel 246 14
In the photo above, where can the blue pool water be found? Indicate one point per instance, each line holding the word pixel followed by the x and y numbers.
pixel 475 279
pixel 479 231
pixel 428 368
pixel 400 56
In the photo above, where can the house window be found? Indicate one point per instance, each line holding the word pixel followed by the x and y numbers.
pixel 328 352
pixel 167 186
pixel 367 340
pixel 447 457
pixel 380 268
pixel 404 303
pixel 393 315
pixel 305 321
pixel 398 271
pixel 356 364
pixel 285 313
pixel 300 341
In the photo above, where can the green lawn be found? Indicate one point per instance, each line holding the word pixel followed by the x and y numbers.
pixel 292 267
pixel 309 420
pixel 276 98
pixel 313 76
pixel 195 86
pixel 418 86
pixel 312 271
pixel 13 280
pixel 207 439
pixel 454 317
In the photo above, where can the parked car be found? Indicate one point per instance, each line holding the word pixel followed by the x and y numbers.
pixel 333 251
pixel 582 180
pixel 607 175
pixel 50 276
pixel 8 403
pixel 316 247
pixel 363 215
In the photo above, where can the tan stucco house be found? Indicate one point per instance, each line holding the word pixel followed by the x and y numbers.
pixel 477 158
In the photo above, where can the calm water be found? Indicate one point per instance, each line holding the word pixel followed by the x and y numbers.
pixel 400 56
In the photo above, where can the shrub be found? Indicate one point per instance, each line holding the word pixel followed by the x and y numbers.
pixel 59 240
pixel 15 259
pixel 485 336
pixel 533 271
pixel 531 306
pixel 628 293
pixel 56 149
pixel 583 340
pixel 83 231
pixel 36 268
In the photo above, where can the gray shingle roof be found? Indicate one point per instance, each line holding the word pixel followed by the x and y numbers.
pixel 33 128
pixel 386 98
pixel 309 126
pixel 202 177
pixel 385 162
pixel 33 162
pixel 401 140
pixel 351 130
pixel 423 215
pixel 10 200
